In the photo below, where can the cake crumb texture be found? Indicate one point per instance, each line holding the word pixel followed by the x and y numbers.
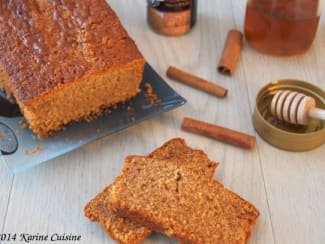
pixel 195 159
pixel 125 230
pixel 167 197
pixel 119 228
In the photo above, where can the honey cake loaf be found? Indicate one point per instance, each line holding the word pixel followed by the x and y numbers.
pixel 167 197
pixel 65 60
pixel 125 230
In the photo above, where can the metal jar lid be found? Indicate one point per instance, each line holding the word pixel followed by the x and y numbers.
pixel 286 136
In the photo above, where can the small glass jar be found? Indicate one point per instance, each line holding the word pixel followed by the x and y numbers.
pixel 171 17
pixel 281 27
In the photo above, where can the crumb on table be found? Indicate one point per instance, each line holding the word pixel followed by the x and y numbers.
pixel 34 151
pixel 23 124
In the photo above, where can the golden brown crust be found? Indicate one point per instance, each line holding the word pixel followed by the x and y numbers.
pixel 123 229
pixel 195 159
pixel 44 44
pixel 170 198
pixel 64 61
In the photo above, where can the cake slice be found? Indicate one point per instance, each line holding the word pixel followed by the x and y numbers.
pixel 165 196
pixel 65 61
pixel 194 159
pixel 118 228
pixel 125 230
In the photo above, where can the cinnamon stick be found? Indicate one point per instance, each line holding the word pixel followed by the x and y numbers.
pixel 196 82
pixel 231 52
pixel 220 133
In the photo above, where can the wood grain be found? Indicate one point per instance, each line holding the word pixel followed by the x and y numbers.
pixel 287 188
pixel 6 179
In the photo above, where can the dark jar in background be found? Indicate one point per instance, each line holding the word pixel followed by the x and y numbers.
pixel 281 27
pixel 171 17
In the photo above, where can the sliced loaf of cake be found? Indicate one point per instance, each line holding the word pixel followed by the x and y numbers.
pixel 125 230
pixel 166 196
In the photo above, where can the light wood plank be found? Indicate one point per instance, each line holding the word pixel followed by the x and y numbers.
pixel 6 179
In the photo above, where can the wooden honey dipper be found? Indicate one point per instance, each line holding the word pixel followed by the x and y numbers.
pixel 295 108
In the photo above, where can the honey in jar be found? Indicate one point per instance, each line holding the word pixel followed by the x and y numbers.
pixel 281 27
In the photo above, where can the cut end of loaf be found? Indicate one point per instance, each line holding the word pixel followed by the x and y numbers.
pixel 170 198
pixel 123 229
pixel 78 63
pixel 120 229
pixel 83 100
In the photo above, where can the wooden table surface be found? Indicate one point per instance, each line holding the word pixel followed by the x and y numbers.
pixel 288 188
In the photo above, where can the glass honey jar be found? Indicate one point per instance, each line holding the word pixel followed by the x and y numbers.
pixel 281 27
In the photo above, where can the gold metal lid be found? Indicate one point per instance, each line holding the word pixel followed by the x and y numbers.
pixel 286 136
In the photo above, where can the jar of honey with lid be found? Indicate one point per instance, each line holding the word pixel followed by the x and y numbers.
pixel 171 17
pixel 281 27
